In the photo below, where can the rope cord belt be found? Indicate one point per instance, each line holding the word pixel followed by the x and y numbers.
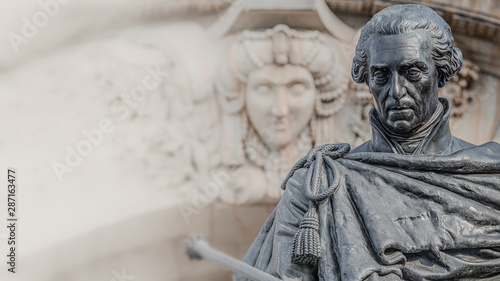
pixel 306 246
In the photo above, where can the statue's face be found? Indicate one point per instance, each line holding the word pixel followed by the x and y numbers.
pixel 280 102
pixel 403 79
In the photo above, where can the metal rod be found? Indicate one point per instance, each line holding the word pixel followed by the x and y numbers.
pixel 198 248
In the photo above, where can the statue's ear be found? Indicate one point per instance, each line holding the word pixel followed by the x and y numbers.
pixel 358 73
pixel 442 81
pixel 455 64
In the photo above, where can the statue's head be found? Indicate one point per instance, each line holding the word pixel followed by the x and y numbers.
pixel 282 81
pixel 280 102
pixel 404 54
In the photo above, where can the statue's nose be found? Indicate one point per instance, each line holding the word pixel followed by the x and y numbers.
pixel 398 89
pixel 281 106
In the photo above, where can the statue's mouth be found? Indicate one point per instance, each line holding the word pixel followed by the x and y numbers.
pixel 400 113
pixel 400 107
pixel 280 124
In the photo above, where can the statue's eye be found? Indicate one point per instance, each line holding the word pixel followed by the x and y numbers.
pixel 263 88
pixel 298 88
pixel 380 76
pixel 414 74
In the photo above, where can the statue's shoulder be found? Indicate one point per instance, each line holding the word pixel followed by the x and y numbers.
pixel 365 147
pixel 458 144
pixel 319 157
pixel 490 148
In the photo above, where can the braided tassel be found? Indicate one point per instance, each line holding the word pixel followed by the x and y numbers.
pixel 306 247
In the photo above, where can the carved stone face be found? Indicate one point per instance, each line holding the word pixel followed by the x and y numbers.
pixel 280 102
pixel 403 79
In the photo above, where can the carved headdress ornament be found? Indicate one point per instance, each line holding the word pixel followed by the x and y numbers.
pixel 282 45
pixel 317 52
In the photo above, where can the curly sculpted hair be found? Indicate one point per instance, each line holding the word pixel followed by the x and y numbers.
pixel 406 18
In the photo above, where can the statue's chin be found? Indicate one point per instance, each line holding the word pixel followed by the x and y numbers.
pixel 401 127
pixel 278 144
pixel 279 140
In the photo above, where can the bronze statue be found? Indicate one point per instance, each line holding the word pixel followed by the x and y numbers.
pixel 414 202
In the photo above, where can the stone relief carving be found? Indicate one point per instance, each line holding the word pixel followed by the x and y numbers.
pixel 460 90
pixel 361 129
pixel 172 120
pixel 279 90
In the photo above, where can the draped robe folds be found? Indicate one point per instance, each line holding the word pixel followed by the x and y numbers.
pixel 394 217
